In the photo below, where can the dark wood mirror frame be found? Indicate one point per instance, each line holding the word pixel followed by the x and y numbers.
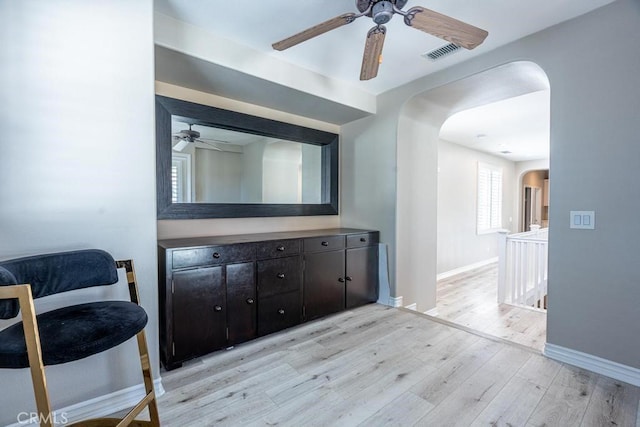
pixel 230 120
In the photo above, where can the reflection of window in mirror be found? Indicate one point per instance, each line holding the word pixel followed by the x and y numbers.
pixel 181 178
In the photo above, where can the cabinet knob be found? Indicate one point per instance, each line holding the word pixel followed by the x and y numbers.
pixel 250 301
pixel 363 240
pixel 217 308
pixel 280 275
pixel 280 248
pixel 216 255
pixel 349 278
pixel 325 243
pixel 281 311
pixel 341 280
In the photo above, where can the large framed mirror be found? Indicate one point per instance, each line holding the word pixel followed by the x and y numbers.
pixel 215 163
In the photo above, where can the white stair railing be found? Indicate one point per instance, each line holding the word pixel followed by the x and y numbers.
pixel 522 269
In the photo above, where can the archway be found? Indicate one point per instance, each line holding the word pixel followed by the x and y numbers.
pixel 418 131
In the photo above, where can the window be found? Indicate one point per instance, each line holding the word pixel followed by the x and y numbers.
pixel 180 178
pixel 489 198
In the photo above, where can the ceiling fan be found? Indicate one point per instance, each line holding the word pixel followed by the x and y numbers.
pixel 381 11
pixel 186 136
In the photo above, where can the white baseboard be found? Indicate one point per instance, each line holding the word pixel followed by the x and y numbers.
pixel 466 268
pixel 395 301
pixel 592 363
pixel 98 407
pixel 433 312
pixel 413 306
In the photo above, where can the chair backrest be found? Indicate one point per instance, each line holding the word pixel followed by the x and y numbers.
pixel 55 273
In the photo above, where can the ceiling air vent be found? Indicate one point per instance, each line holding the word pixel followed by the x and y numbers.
pixel 505 152
pixel 441 52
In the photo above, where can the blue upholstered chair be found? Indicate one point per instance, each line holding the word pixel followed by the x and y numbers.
pixel 73 332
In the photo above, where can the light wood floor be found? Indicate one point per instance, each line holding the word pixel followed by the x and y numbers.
pixel 380 366
pixel 470 300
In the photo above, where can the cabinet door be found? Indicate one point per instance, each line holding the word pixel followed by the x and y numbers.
pixel 324 288
pixel 362 276
pixel 241 302
pixel 199 313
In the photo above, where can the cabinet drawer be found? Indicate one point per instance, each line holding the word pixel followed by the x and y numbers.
pixel 278 248
pixel 363 239
pixel 213 255
pixel 326 243
pixel 279 275
pixel 278 312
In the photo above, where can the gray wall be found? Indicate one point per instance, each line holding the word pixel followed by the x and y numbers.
pixel 594 285
pixel 77 165
pixel 458 243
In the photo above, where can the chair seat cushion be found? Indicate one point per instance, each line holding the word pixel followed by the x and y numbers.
pixel 74 332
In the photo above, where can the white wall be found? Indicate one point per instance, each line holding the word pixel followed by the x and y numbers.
pixel 593 280
pixel 311 173
pixel 458 243
pixel 168 229
pixel 218 176
pixel 77 164
pixel 281 166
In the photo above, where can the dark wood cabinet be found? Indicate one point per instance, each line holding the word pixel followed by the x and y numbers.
pixel 339 279
pixel 241 302
pixel 324 283
pixel 279 312
pixel 215 292
pixel 199 315
pixel 279 289
pixel 361 274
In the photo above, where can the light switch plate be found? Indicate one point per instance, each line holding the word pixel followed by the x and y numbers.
pixel 583 220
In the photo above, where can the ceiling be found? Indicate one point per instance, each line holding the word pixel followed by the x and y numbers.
pixel 338 53
pixel 519 126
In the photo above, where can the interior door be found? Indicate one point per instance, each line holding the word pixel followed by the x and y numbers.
pixel 532 207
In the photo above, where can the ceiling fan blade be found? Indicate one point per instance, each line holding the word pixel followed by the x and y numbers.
pixel 314 31
pixel 373 52
pixel 211 145
pixel 445 27
pixel 180 145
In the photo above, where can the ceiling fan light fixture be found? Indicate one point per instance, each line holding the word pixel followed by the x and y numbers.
pixel 181 145
pixel 382 12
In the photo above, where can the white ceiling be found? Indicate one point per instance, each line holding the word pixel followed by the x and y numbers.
pixel 338 54
pixel 519 125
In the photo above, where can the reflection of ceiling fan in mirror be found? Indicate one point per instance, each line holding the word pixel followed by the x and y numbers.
pixel 381 12
pixel 187 136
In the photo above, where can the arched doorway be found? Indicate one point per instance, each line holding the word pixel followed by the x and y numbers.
pixel 418 134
